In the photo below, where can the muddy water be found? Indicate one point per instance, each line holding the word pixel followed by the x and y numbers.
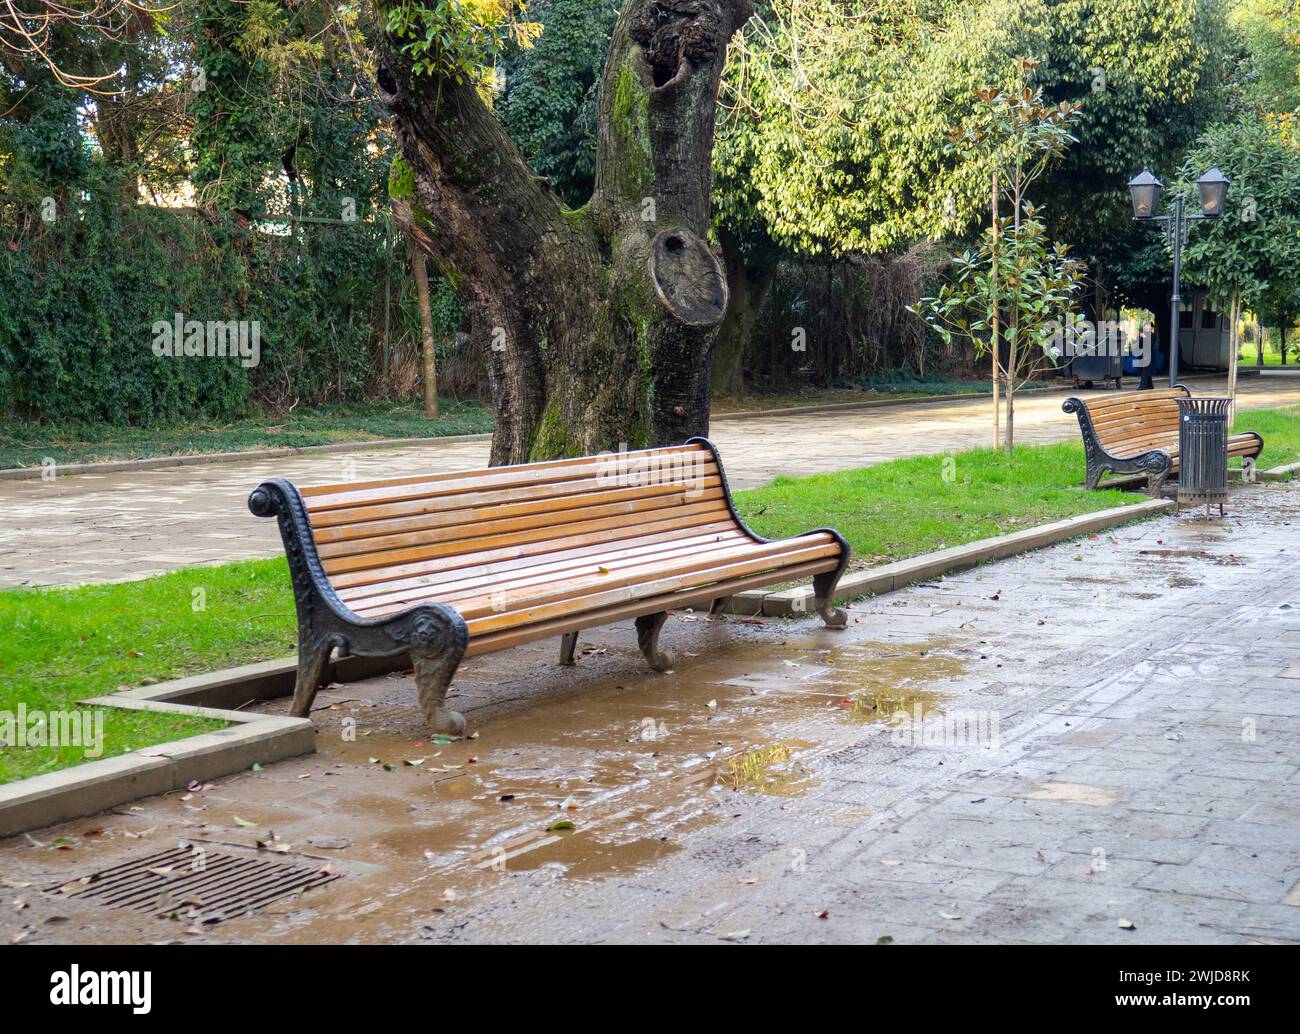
pixel 589 784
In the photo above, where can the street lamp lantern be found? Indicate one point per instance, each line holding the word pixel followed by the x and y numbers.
pixel 1213 187
pixel 1145 190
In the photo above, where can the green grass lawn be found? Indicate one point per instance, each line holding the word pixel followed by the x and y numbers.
pixel 27 445
pixel 1280 429
pixel 58 646
pixel 907 507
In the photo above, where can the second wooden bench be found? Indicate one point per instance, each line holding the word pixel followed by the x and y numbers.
pixel 1137 433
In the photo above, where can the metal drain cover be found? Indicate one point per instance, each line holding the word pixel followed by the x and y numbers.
pixel 195 882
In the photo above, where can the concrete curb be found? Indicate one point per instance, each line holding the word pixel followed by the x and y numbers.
pixel 96 786
pixel 1283 473
pixel 201 459
pixel 887 578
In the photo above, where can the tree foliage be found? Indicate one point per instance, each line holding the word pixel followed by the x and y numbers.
pixel 837 117
pixel 548 99
pixel 1253 251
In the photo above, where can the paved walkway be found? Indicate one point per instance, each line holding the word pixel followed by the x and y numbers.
pixel 1109 730
pixel 114 527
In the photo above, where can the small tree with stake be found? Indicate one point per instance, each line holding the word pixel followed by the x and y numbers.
pixel 1016 277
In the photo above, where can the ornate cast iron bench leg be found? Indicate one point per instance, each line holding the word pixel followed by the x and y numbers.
pixel 824 588
pixel 436 655
pixel 313 656
pixel 647 637
pixel 1248 472
pixel 824 602
pixel 719 606
pixel 1093 476
pixel 568 642
pixel 1158 468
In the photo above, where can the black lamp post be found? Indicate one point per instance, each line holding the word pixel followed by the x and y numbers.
pixel 1145 190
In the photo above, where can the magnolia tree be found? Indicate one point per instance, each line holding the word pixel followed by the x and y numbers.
pixel 1014 290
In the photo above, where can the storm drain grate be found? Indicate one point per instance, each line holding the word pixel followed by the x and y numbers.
pixel 209 886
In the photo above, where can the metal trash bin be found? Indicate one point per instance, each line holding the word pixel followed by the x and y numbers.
pixel 1203 451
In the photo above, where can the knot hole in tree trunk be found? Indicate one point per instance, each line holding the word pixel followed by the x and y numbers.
pixel 688 278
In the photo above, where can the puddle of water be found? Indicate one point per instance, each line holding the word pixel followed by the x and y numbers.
pixel 1229 559
pixel 883 707
pixel 606 780
pixel 773 769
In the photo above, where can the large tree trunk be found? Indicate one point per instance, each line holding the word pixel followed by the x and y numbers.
pixel 600 322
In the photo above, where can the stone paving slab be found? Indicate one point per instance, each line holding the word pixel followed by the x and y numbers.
pixel 136 524
pixel 1145 767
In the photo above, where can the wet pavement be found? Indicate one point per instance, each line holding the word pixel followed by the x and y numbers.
pixel 1034 751
pixel 106 527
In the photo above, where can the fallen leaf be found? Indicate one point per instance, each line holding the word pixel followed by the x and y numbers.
pixel 561 824
pixel 1126 924
pixel 736 935
pixel 245 823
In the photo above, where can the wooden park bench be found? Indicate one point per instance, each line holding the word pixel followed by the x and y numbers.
pixel 445 566
pixel 1137 433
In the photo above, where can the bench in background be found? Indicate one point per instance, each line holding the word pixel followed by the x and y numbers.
pixel 1137 433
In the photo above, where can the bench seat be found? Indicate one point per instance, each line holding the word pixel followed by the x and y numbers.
pixel 445 566
pixel 1137 432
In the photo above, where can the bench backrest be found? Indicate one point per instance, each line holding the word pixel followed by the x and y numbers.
pixel 379 531
pixel 1135 417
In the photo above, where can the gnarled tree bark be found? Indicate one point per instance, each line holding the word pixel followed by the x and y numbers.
pixel 600 321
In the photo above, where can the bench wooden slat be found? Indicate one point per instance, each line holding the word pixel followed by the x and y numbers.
pixel 660 586
pixel 446 576
pixel 694 597
pixel 547 567
pixel 355 521
pixel 541 549
pixel 335 497
pixel 488 597
pixel 606 529
pixel 651 507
